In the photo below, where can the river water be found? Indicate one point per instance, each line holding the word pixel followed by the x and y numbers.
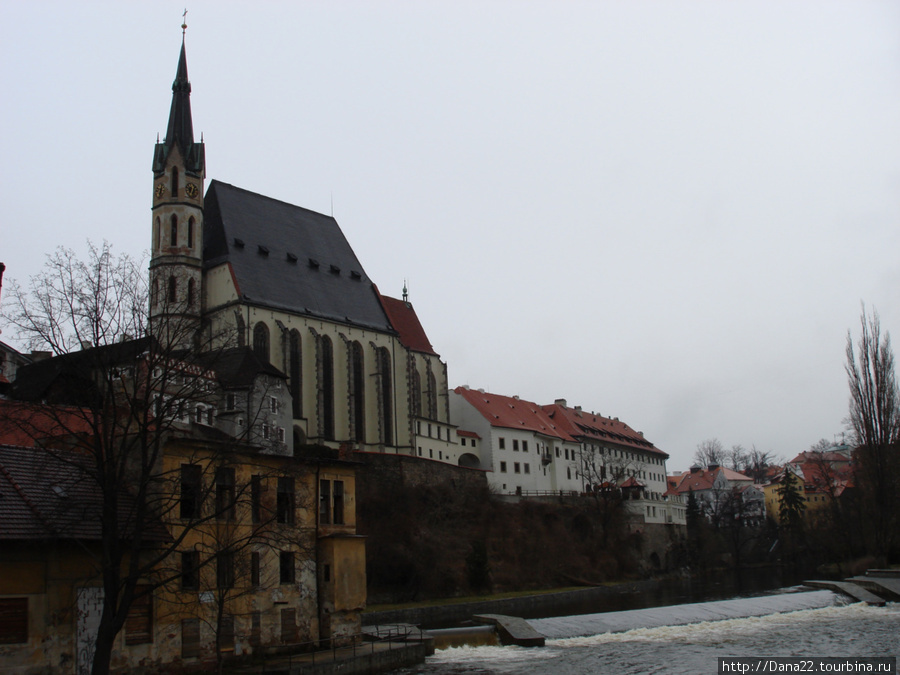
pixel 689 638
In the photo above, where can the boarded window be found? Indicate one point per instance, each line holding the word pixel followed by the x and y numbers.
pixel 190 638
pixel 139 623
pixel 226 634
pixel 256 489
pixel 225 570
pixel 255 629
pixel 254 568
pixel 288 625
pixel 13 620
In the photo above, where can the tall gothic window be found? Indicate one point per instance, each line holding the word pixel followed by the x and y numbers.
pixel 173 290
pixel 386 394
pixel 432 397
pixel 159 231
pixel 154 295
pixel 358 379
pixel 190 233
pixel 174 228
pixel 190 293
pixel 261 341
pixel 326 387
pixel 295 374
pixel 416 393
pixel 174 182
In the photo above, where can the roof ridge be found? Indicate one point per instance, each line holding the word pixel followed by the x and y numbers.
pixel 216 181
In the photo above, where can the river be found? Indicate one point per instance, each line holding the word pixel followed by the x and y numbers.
pixel 689 638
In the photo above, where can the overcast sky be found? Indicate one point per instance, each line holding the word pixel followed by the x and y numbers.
pixel 667 212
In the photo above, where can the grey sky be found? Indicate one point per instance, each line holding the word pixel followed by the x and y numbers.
pixel 667 212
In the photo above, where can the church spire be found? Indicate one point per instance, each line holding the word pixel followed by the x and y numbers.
pixel 180 131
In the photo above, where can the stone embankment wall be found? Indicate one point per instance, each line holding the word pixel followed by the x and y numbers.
pixel 409 471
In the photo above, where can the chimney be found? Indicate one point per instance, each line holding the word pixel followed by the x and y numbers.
pixel 560 401
pixel 695 469
pixel 712 467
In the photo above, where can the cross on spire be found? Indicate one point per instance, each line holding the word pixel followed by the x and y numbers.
pixel 184 21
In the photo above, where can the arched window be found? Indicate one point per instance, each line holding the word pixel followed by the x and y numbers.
pixel 174 182
pixel 295 374
pixel 358 393
pixel 154 295
pixel 326 388
pixel 432 397
pixel 160 232
pixel 174 228
pixel 173 290
pixel 261 341
pixel 190 293
pixel 386 395
pixel 190 233
pixel 416 394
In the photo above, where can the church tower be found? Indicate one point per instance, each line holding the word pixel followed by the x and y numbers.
pixel 176 264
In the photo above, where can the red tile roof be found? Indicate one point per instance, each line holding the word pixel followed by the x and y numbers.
pixel 33 424
pixel 511 412
pixel 404 320
pixel 467 434
pixel 580 423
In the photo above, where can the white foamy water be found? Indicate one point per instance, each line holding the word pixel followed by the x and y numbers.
pixel 685 647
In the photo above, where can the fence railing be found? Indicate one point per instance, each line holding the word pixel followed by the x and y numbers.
pixel 310 653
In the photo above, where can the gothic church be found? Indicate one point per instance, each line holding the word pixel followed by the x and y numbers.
pixel 361 373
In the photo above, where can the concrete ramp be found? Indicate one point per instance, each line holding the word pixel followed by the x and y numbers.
pixel 513 630
pixel 888 587
pixel 850 589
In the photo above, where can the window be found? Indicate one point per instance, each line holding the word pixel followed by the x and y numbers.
pixel 281 434
pixel 517 468
pixel 358 392
pixel 254 568
pixel 462 441
pixel 286 567
pixel 524 446
pixel 265 431
pixel 502 467
pixel 273 404
pixel 255 629
pixel 261 341
pixel 288 625
pixel 284 512
pixel 173 227
pixel 173 290
pixel 190 233
pixel 515 444
pixel 190 638
pixel 225 493
pixel 325 501
pixel 386 394
pixel 527 467
pixel 255 498
pixel 294 371
pixel 190 570
pixel 191 475
pixel 226 634
pixel 13 621
pixel 139 622
pixel 230 401
pixel 502 443
pixel 174 186
pixel 225 570
pixel 338 510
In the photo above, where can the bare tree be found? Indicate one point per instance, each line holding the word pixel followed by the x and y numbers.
pixel 875 421
pixel 709 452
pixel 757 462
pixel 108 405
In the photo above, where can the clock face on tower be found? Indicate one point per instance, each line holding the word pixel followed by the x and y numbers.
pixel 160 190
pixel 191 190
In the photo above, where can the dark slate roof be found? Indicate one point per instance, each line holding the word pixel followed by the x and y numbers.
pixel 238 367
pixel 47 495
pixel 288 258
pixel 406 322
